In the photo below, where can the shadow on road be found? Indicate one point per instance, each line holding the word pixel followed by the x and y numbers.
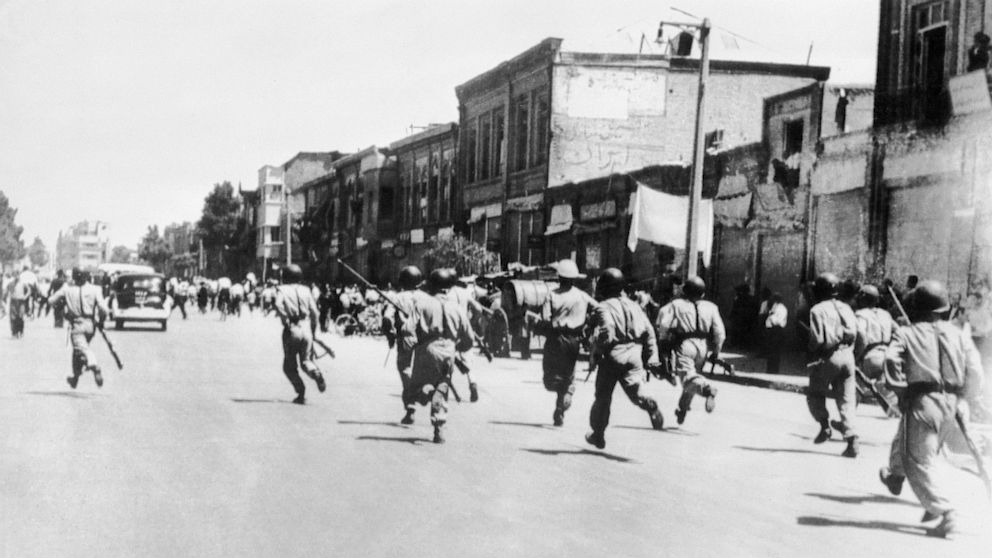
pixel 865 499
pixel 407 439
pixel 787 450
pixel 665 431
pixel 884 525
pixel 603 454
pixel 838 440
pixel 529 424
pixel 372 423
pixel 236 400
pixel 64 393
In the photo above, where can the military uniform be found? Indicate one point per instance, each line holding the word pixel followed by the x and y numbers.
pixel 563 318
pixel 936 364
pixel 833 330
pixel 439 329
pixel 84 307
pixel 875 329
pixel 410 302
pixel 624 342
pixel 298 311
pixel 692 328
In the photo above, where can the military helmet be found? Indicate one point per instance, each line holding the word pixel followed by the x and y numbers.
pixel 410 277
pixel 929 297
pixel 440 279
pixel 825 286
pixel 611 283
pixel 292 274
pixel 868 296
pixel 78 276
pixel 694 287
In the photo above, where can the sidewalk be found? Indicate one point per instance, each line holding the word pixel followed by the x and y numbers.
pixel 749 370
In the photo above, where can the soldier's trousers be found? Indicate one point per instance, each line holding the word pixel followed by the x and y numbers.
pixel 631 378
pixel 17 309
pixel 561 351
pixel 834 376
pixel 404 364
pixel 297 350
pixel 926 425
pixel 81 332
pixel 433 365
pixel 689 360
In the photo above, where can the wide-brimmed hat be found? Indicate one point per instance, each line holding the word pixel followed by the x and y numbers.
pixel 568 270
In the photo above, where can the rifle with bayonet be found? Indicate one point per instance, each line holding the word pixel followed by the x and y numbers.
pixel 110 346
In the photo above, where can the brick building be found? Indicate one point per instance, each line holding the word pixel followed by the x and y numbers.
pixel 299 170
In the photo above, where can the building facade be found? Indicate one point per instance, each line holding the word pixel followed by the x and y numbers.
pixel 85 245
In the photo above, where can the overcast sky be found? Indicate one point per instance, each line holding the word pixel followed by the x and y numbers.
pixel 129 112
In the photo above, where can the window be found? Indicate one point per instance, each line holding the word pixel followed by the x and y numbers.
pixel 485 146
pixel 793 138
pixel 471 142
pixel 421 200
pixel 447 181
pixel 386 207
pixel 433 198
pixel 499 141
pixel 521 127
pixel 542 121
pixel 275 234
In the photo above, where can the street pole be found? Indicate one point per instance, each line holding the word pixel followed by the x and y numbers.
pixel 696 194
pixel 289 231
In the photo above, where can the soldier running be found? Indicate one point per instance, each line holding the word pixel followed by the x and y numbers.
pixel 875 329
pixel 833 330
pixel 462 296
pixel 85 310
pixel 298 312
pixel 410 299
pixel 440 330
pixel 623 341
pixel 936 365
pixel 562 320
pixel 692 326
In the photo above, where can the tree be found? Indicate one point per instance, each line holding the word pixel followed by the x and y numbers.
pixel 38 253
pixel 218 226
pixel 154 249
pixel 11 245
pixel 121 254
pixel 461 254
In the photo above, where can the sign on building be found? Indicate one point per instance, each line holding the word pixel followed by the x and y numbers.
pixel 970 93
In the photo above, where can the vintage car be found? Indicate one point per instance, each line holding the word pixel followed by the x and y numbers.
pixel 139 297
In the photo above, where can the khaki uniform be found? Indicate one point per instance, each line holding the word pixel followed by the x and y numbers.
pixel 410 302
pixel 833 330
pixel 936 364
pixel 625 342
pixel 440 330
pixel 298 311
pixel 563 318
pixel 84 305
pixel 693 328
pixel 875 329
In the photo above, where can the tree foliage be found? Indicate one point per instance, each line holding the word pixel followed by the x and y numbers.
pixel 120 254
pixel 38 253
pixel 11 244
pixel 460 253
pixel 218 225
pixel 154 249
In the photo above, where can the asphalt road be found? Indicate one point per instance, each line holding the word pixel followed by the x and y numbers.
pixel 194 450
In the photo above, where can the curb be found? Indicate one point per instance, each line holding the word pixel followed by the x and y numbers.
pixel 757 382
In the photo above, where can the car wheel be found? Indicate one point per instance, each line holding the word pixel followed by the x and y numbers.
pixel 119 324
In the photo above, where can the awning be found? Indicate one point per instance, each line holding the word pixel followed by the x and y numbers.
pixel 532 202
pixel 477 214
pixel 732 211
pixel 561 219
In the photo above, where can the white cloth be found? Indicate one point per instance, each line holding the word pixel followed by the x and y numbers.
pixel 778 315
pixel 663 219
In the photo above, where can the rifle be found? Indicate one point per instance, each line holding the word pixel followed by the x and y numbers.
pixel 715 361
pixel 368 285
pixel 113 352
pixel 972 448
pixel 322 345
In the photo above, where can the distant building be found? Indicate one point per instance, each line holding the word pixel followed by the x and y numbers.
pixel 299 170
pixel 182 242
pixel 270 219
pixel 85 245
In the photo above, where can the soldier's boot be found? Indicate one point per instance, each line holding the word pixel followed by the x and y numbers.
pixel 438 432
pixel 657 419
pixel 97 376
pixel 596 440
pixel 300 399
pixel 892 482
pixel 558 417
pixel 852 447
pixel 709 392
pixel 473 392
pixel 680 415
pixel 825 433
pixel 321 384
pixel 685 403
pixel 928 517
pixel 408 417
pixel 72 380
pixel 947 527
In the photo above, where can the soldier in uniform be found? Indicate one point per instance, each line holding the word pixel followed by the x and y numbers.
pixel 936 364
pixel 463 297
pixel 410 299
pixel 298 312
pixel 85 310
pixel 624 342
pixel 58 309
pixel 833 330
pixel 692 326
pixel 562 320
pixel 875 329
pixel 440 330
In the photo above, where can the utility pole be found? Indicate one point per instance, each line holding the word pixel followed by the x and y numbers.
pixel 696 194
pixel 289 230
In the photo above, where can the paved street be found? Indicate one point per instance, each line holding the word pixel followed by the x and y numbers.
pixel 194 450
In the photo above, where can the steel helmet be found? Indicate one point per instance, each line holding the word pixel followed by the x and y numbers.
pixel 825 286
pixel 410 277
pixel 868 296
pixel 694 287
pixel 292 274
pixel 929 297
pixel 611 283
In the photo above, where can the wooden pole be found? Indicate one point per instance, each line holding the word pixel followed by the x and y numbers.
pixel 696 195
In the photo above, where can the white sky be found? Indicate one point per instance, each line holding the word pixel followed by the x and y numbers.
pixel 129 112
